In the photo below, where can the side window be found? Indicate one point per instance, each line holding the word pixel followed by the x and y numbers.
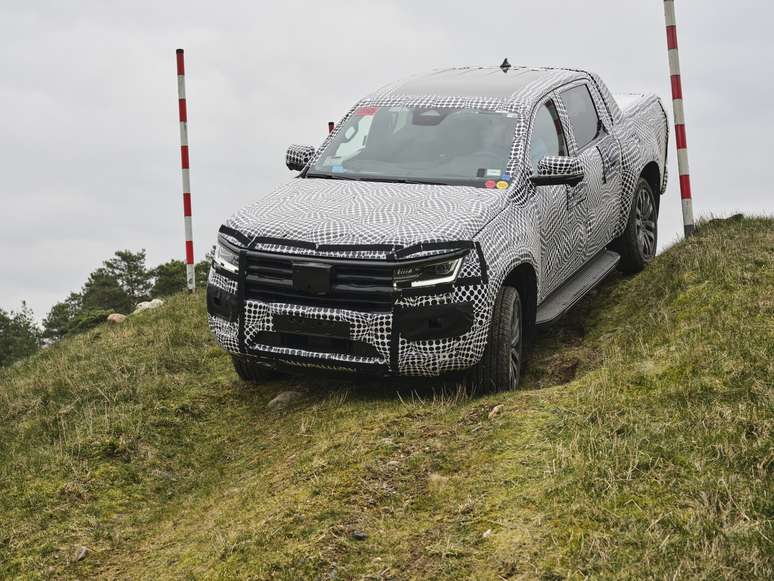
pixel 547 135
pixel 583 115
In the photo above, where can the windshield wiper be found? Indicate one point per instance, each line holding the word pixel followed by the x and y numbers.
pixel 369 178
pixel 401 180
pixel 410 181
pixel 330 176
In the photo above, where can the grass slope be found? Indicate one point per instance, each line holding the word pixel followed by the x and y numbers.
pixel 641 446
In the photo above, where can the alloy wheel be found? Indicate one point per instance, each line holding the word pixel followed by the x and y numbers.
pixel 646 222
pixel 516 342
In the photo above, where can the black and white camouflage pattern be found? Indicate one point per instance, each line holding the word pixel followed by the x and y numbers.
pixel 555 229
pixel 298 156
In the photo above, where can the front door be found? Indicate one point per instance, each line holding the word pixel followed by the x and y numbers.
pixel 598 197
pixel 562 231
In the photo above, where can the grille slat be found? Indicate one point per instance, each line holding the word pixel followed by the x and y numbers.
pixel 358 287
pixel 270 271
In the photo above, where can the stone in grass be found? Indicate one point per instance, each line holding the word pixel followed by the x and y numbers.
pixel 283 399
pixel 116 318
pixel 147 305
pixel 81 553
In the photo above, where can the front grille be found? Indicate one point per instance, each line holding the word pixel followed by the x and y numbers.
pixel 355 284
pixel 332 345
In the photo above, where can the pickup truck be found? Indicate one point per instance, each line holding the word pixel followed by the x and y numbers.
pixel 443 219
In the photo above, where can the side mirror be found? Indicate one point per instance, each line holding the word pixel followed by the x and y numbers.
pixel 298 156
pixel 558 171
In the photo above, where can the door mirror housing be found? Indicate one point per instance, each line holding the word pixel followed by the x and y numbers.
pixel 297 156
pixel 558 171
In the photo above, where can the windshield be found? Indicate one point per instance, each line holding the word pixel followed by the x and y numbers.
pixel 426 145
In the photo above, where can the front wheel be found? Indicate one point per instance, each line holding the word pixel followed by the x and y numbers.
pixel 500 367
pixel 637 243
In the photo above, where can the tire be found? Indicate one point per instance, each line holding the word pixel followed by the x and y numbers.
pixel 249 370
pixel 637 243
pixel 500 367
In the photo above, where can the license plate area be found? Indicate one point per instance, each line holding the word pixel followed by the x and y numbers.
pixel 298 325
pixel 312 278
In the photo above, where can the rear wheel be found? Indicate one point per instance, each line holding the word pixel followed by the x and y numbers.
pixel 248 370
pixel 500 367
pixel 637 243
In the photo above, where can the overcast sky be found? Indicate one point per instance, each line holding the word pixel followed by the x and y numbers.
pixel 89 158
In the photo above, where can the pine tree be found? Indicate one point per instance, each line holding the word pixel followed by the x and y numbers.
pixel 19 335
pixel 170 278
pixel 128 269
pixel 104 292
pixel 60 317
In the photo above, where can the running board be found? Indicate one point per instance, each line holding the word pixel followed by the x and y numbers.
pixel 566 296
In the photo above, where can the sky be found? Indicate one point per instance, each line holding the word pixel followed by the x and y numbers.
pixel 89 150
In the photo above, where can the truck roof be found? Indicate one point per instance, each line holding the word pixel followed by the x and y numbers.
pixel 512 83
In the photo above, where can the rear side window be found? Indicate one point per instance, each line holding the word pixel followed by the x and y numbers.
pixel 583 115
pixel 547 135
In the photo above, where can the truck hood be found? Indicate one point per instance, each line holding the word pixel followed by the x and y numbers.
pixel 325 211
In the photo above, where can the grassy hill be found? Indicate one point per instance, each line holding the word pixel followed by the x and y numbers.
pixel 641 446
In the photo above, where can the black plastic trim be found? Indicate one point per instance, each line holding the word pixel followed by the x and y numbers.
pixel 427 246
pixel 424 291
pixel 241 294
pixel 284 242
pixel 460 251
pixel 359 247
pixel 482 264
pixel 234 234
pixel 223 304
pixel 394 343
pixel 452 320
pixel 225 273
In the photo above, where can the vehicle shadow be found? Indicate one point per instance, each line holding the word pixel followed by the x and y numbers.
pixel 560 354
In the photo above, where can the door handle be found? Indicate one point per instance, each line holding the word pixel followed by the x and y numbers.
pixel 576 195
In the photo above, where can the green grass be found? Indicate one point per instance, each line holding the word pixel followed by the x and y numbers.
pixel 641 446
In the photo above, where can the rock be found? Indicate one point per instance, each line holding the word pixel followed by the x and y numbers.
pixel 283 399
pixel 81 553
pixel 359 535
pixel 147 305
pixel 495 411
pixel 116 318
pixel 487 534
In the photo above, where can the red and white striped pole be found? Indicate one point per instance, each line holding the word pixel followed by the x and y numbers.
pixel 189 252
pixel 679 116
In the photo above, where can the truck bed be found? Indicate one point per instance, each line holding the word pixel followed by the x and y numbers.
pixel 630 102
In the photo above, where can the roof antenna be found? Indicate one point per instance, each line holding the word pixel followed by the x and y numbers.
pixel 505 66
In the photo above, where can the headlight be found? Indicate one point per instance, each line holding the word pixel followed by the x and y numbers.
pixel 226 258
pixel 430 274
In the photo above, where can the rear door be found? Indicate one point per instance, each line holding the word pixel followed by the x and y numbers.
pixel 562 232
pixel 597 198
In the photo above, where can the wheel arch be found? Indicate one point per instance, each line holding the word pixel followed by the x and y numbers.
pixel 524 279
pixel 652 174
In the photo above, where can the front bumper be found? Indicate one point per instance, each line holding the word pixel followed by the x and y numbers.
pixel 420 334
